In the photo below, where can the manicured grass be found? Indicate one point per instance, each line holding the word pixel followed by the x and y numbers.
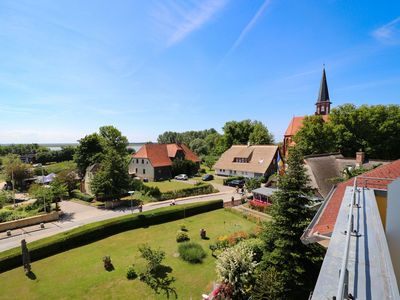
pixel 169 186
pixel 61 166
pixel 79 273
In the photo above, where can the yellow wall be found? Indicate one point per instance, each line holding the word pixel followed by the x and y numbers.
pixel 381 200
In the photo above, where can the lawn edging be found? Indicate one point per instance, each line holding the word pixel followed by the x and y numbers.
pixel 88 233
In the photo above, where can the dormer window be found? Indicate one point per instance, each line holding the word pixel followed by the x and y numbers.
pixel 240 160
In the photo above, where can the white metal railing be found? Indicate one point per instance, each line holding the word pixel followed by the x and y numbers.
pixel 343 269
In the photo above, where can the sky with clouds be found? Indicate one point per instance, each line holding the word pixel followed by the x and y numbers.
pixel 69 66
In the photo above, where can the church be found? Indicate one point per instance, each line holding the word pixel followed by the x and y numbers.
pixel 323 107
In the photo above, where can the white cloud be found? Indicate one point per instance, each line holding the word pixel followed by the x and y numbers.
pixel 388 33
pixel 179 19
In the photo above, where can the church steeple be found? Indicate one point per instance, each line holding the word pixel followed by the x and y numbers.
pixel 323 105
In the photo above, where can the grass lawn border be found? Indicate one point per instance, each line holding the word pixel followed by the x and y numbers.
pixel 88 233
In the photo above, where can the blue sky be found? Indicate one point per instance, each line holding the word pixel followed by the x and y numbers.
pixel 68 67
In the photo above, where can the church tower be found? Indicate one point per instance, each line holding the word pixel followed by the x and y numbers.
pixel 323 105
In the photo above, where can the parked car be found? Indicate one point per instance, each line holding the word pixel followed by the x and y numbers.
pixel 236 183
pixel 207 177
pixel 181 177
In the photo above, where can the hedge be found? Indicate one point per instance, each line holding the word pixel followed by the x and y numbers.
pixel 200 189
pixel 81 196
pixel 88 233
pixel 230 178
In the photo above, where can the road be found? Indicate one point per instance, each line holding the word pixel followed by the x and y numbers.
pixel 76 215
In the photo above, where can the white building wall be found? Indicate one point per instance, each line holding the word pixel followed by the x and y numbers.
pixel 225 172
pixel 393 225
pixel 143 167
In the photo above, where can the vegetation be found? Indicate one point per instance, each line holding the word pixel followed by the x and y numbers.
pixel 210 143
pixel 57 168
pixel 168 186
pixel 294 265
pixel 182 236
pixel 94 231
pixel 200 189
pixel 184 167
pixel 89 151
pixel 21 149
pixel 131 273
pixel 252 183
pixel 88 279
pixel 191 252
pixel 81 196
pixel 235 269
pixel 47 156
pixel 15 170
pixel 374 129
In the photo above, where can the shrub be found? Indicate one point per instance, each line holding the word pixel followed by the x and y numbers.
pixel 182 236
pixel 95 231
pixel 259 205
pixel 255 245
pixel 183 227
pixel 131 273
pixel 230 178
pixel 191 252
pixel 203 188
pixel 81 196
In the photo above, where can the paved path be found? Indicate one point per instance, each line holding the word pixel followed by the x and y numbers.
pixel 76 215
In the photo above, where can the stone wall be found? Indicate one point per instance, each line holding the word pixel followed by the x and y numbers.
pixel 54 215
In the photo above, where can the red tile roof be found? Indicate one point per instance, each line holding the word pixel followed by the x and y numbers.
pixel 327 219
pixel 160 155
pixel 296 123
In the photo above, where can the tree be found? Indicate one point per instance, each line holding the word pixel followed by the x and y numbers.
pixel 374 129
pixel 210 161
pixel 235 269
pixel 114 139
pixel 89 151
pixel 68 178
pixel 15 169
pixel 112 180
pixel 252 184
pixel 298 264
pixel 315 136
pixel 237 133
pixel 184 167
pixel 199 146
pixel 260 135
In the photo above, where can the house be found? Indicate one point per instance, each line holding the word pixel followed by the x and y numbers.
pixel 250 161
pixel 154 161
pixel 359 224
pixel 89 175
pixel 323 224
pixel 323 108
pixel 325 169
pixel 263 194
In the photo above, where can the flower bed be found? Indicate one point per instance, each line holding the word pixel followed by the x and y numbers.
pixel 260 206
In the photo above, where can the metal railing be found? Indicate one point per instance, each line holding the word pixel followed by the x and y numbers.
pixel 343 279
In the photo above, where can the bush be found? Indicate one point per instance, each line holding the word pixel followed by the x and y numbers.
pixel 200 189
pixel 182 236
pixel 81 196
pixel 131 273
pixel 255 245
pixel 95 231
pixel 191 252
pixel 259 206
pixel 230 178
pixel 183 227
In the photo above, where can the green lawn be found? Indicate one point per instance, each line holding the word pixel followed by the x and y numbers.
pixel 169 186
pixel 79 273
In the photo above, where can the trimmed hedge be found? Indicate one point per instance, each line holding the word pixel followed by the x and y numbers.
pixel 88 233
pixel 201 189
pixel 81 196
pixel 230 178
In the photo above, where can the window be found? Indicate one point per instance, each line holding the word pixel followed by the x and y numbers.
pixel 136 171
pixel 137 160
pixel 142 161
pixel 144 171
pixel 322 108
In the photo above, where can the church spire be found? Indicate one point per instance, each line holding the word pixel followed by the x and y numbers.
pixel 323 102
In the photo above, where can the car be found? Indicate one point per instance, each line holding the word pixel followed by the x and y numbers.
pixel 236 183
pixel 207 177
pixel 181 177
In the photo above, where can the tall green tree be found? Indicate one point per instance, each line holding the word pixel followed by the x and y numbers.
pixel 315 136
pixel 199 147
pixel 237 132
pixel 114 139
pixel 260 135
pixel 90 150
pixel 298 264
pixel 15 169
pixel 112 180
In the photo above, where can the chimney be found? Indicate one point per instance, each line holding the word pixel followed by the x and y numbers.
pixel 360 158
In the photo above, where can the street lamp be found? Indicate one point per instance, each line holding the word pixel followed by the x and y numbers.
pixel 44 194
pixel 130 194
